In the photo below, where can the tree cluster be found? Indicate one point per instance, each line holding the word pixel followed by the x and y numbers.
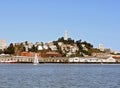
pixel 16 49
pixel 79 44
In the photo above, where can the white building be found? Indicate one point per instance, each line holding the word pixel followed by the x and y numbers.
pixel 60 43
pixel 53 47
pixel 84 48
pixel 40 47
pixel 110 59
pixel 3 44
pixel 73 49
pixel 26 48
pixel 76 59
pixel 92 60
pixel 70 60
pixel 100 47
pixel 45 47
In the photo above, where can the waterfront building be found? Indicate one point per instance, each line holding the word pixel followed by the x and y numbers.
pixel 110 59
pixel 92 60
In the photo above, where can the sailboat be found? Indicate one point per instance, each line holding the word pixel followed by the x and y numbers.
pixel 35 62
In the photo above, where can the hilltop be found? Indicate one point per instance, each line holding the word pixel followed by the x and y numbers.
pixel 65 47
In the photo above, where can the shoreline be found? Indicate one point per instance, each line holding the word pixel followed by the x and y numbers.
pixel 64 63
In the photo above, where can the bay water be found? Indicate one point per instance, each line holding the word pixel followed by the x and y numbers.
pixel 60 76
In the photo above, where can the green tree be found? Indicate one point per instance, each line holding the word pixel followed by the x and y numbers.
pixel 87 45
pixel 34 49
pixel 26 42
pixel 1 51
pixel 19 48
pixel 10 49
pixel 61 39
pixel 79 45
pixel 58 47
pixel 70 41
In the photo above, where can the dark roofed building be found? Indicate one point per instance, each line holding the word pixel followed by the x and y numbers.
pixel 50 54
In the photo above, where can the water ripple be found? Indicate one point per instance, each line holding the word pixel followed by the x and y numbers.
pixel 59 76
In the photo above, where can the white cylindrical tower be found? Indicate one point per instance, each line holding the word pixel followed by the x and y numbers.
pixel 66 35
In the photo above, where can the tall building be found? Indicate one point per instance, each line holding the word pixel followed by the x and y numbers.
pixel 100 47
pixel 66 35
pixel 3 44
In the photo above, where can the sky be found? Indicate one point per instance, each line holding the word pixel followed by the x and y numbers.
pixel 94 21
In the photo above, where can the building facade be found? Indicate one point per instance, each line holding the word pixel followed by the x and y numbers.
pixel 3 44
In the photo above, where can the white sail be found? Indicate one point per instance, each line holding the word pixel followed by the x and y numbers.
pixel 36 60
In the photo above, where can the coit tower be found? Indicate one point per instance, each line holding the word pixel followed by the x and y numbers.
pixel 66 35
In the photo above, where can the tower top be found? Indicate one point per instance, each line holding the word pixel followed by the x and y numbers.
pixel 66 35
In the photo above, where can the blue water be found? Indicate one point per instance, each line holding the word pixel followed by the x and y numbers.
pixel 59 76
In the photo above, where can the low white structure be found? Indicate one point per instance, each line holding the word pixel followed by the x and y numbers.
pixel 70 60
pixel 110 59
pixel 92 60
pixel 76 59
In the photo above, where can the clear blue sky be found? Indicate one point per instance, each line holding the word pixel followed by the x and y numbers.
pixel 95 21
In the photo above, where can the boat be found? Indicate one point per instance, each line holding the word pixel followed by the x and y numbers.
pixel 36 62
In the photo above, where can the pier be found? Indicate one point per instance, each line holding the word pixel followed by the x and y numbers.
pixel 23 59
